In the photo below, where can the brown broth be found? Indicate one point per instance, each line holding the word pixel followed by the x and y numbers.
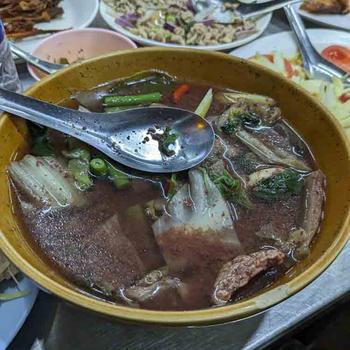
pixel 72 240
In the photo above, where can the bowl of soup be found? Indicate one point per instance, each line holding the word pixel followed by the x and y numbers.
pixel 254 223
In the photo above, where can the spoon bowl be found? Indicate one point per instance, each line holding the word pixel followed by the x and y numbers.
pixel 131 137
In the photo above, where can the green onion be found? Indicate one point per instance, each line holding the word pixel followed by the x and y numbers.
pixel 205 104
pixel 119 179
pixel 80 171
pixel 284 184
pixel 77 153
pixel 98 167
pixel 118 101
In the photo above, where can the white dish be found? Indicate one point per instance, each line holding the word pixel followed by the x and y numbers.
pixel 335 21
pixel 77 14
pixel 261 23
pixel 285 42
pixel 13 313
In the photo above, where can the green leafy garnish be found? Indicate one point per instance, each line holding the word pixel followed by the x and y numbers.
pixel 286 183
pixel 79 166
pixel 249 120
pixel 165 140
pixel 231 188
pixel 234 121
pixel 79 169
pixel 40 141
pixel 230 126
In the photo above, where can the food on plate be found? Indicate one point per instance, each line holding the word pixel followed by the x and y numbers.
pixel 175 21
pixel 8 272
pixel 339 55
pixel 21 16
pixel 334 95
pixel 326 6
pixel 205 237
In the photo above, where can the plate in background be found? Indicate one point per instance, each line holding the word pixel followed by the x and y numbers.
pixel 285 42
pixel 77 14
pixel 13 313
pixel 335 21
pixel 262 24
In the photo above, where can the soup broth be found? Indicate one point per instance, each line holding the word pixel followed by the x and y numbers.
pixel 205 237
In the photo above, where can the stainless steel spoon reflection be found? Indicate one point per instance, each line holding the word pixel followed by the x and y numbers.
pixel 124 136
pixel 45 66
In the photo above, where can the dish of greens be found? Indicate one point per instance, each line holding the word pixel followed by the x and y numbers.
pixel 176 23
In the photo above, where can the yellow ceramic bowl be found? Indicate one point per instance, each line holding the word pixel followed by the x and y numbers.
pixel 317 126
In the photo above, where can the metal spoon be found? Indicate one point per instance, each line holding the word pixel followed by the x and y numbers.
pixel 213 9
pixel 45 66
pixel 124 136
pixel 314 63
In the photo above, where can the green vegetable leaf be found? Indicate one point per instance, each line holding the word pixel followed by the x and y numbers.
pixel 165 140
pixel 231 188
pixel 230 126
pixel 286 183
pixel 77 153
pixel 234 121
pixel 120 179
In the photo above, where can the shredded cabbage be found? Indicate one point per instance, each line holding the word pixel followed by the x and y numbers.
pixel 328 93
pixel 12 296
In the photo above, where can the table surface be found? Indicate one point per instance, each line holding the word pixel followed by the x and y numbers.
pixel 56 325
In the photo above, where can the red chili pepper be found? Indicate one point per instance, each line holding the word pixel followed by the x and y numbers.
pixel 344 97
pixel 287 65
pixel 270 57
pixel 179 92
pixel 289 68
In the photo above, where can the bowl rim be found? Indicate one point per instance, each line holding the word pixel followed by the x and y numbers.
pixel 207 316
pixel 54 36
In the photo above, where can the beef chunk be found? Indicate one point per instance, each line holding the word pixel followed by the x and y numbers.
pixel 111 260
pixel 237 273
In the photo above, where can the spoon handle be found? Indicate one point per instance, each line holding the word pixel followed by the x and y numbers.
pixel 308 52
pixel 45 66
pixel 71 122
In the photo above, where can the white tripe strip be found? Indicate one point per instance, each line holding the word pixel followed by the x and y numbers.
pixel 44 180
pixel 198 206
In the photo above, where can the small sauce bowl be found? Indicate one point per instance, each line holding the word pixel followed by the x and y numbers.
pixel 78 44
